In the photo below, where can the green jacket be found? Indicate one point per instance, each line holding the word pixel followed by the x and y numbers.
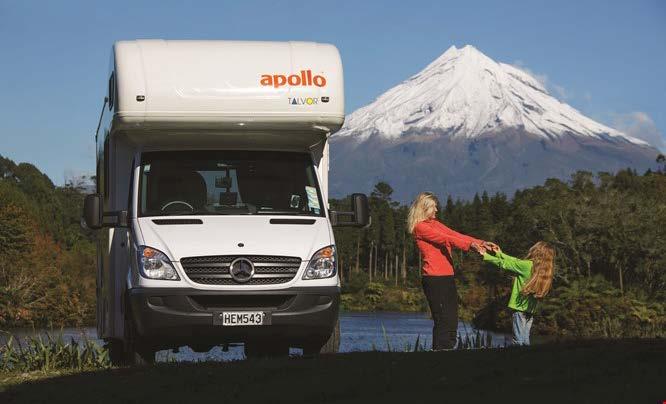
pixel 522 269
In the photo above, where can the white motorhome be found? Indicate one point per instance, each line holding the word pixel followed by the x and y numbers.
pixel 212 190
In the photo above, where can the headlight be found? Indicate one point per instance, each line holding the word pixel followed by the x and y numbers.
pixel 154 264
pixel 322 264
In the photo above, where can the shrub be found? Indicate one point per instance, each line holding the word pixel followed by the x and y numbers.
pixel 593 308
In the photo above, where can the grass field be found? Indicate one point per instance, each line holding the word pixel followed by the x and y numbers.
pixel 628 371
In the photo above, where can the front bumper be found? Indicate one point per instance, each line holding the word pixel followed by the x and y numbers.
pixel 170 317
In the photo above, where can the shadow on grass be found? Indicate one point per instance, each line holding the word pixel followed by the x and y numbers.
pixel 591 371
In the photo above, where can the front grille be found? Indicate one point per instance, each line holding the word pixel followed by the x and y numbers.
pixel 214 270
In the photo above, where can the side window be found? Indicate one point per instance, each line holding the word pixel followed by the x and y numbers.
pixel 112 90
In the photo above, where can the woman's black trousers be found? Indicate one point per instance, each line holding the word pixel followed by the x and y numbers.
pixel 443 300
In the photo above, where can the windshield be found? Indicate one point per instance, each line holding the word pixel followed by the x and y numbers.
pixel 228 183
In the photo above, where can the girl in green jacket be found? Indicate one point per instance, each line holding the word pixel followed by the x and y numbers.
pixel 532 281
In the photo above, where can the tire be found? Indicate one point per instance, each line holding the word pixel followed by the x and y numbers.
pixel 136 352
pixel 330 346
pixel 265 349
pixel 116 349
pixel 139 356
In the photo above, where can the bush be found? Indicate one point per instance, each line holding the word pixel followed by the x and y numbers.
pixel 593 308
pixel 584 308
pixel 373 292
pixel 377 296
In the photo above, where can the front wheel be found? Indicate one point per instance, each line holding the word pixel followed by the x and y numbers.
pixel 330 346
pixel 139 355
pixel 116 349
pixel 136 352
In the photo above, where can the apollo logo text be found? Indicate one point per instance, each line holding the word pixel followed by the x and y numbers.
pixel 304 79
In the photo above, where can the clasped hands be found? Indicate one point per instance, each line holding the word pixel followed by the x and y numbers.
pixel 485 247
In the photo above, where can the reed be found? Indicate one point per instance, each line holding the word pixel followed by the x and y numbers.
pixel 386 338
pixel 471 340
pixel 48 353
pixel 478 340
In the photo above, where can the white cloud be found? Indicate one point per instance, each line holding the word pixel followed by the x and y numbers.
pixel 561 92
pixel 557 90
pixel 639 125
pixel 541 78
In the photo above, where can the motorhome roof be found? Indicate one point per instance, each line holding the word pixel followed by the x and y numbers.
pixel 227 86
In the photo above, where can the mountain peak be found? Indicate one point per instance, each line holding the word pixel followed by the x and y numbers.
pixel 466 49
pixel 469 50
pixel 464 93
pixel 466 56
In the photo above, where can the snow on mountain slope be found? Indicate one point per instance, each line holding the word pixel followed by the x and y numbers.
pixel 466 124
pixel 464 93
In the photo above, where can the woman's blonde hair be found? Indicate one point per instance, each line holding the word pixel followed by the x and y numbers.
pixel 542 256
pixel 418 211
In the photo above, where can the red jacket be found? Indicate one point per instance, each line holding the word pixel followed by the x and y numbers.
pixel 434 240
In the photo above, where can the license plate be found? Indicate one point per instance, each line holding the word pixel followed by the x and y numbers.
pixel 242 318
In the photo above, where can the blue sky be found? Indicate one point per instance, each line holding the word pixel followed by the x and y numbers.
pixel 605 58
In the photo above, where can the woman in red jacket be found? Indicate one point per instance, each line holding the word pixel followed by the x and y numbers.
pixel 435 240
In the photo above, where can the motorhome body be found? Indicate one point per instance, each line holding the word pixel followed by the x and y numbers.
pixel 212 189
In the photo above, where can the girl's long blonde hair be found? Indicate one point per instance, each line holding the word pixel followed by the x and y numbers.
pixel 420 208
pixel 542 256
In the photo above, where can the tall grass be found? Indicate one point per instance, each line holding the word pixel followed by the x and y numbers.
pixel 477 340
pixel 48 353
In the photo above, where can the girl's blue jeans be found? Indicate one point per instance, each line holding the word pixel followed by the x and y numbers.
pixel 522 323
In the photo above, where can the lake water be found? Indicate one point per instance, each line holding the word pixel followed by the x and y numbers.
pixel 359 332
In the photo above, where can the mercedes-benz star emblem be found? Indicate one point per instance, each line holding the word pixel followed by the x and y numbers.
pixel 241 270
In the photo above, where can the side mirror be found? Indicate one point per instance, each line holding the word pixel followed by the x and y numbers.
pixel 360 213
pixel 95 219
pixel 92 211
pixel 361 209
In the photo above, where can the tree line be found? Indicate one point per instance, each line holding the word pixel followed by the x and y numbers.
pixel 608 229
pixel 612 225
pixel 47 261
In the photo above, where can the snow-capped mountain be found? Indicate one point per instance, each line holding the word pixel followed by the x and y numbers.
pixel 465 124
